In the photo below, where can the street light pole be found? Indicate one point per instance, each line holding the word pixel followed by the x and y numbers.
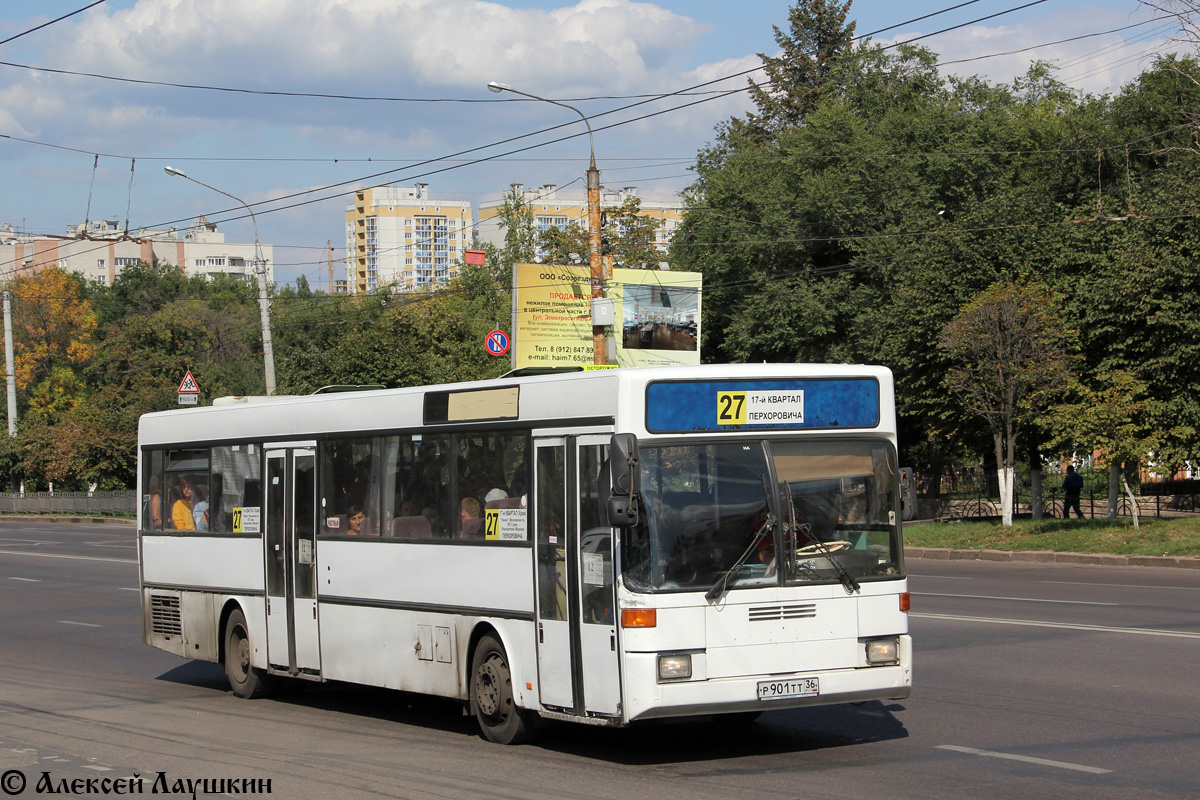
pixel 596 265
pixel 260 269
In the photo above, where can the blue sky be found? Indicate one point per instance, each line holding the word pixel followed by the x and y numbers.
pixel 262 148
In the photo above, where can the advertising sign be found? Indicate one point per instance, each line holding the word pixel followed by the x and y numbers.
pixel 657 311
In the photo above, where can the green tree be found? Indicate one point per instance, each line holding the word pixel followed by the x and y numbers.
pixel 1013 357
pixel 798 78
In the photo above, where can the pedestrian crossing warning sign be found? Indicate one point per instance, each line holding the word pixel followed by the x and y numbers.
pixel 188 384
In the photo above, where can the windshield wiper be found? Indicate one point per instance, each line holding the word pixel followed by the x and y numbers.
pixel 793 530
pixel 718 588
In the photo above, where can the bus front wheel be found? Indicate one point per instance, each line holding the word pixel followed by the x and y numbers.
pixel 245 680
pixel 492 695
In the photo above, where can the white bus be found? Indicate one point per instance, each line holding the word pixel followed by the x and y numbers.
pixel 601 547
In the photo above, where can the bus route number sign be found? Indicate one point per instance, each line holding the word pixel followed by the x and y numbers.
pixel 760 407
pixel 504 525
pixel 247 519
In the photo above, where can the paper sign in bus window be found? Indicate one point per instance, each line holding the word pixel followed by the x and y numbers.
pixel 246 519
pixel 505 524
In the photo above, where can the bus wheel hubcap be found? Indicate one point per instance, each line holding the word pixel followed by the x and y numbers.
pixel 488 686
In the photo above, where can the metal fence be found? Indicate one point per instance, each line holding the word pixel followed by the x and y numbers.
pixel 1093 504
pixel 112 504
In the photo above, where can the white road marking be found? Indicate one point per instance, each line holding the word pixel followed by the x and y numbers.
pixel 84 624
pixel 27 580
pixel 942 577
pixel 130 589
pixel 1127 585
pixel 1071 627
pixel 1022 599
pixel 1045 762
pixel 75 558
pixel 97 767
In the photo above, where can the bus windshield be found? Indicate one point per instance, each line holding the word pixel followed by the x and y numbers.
pixel 743 514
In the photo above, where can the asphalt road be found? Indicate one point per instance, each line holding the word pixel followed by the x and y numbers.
pixel 1031 681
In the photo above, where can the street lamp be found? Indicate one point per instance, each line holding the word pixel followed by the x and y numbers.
pixel 599 344
pixel 260 269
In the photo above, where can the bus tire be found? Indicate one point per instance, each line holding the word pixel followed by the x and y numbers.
pixel 496 710
pixel 245 680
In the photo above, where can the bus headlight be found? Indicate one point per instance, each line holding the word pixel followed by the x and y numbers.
pixel 883 651
pixel 674 667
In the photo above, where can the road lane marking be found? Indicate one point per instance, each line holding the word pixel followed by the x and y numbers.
pixel 27 580
pixel 130 589
pixel 1045 762
pixel 1127 585
pixel 97 767
pixel 943 577
pixel 84 624
pixel 1067 626
pixel 1022 599
pixel 76 558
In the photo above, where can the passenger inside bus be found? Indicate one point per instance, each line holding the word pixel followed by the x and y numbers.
pixel 354 521
pixel 181 508
pixel 472 521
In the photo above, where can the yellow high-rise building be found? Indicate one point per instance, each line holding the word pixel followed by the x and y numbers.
pixel 400 235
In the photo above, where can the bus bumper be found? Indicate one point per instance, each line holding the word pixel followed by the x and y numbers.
pixel 651 699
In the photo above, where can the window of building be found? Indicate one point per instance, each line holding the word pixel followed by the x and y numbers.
pixel 125 262
pixel 100 263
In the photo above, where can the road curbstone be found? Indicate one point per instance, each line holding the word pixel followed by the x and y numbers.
pixel 1051 557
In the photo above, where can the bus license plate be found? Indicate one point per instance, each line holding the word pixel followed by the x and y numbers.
pixel 797 687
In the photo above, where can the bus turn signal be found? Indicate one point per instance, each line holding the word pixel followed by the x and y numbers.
pixel 639 617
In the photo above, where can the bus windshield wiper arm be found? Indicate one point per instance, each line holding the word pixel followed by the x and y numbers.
pixel 718 588
pixel 845 577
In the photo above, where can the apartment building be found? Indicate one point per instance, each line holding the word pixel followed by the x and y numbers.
pixel 550 210
pixel 99 250
pixel 401 236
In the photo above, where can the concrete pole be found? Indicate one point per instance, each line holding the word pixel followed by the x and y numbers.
pixel 10 370
pixel 260 270
pixel 599 340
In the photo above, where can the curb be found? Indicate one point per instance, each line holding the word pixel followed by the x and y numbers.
pixel 1051 557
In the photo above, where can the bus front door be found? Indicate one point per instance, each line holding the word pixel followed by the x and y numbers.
pixel 293 644
pixel 578 668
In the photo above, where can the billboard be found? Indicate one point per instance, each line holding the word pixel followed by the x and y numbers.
pixel 657 311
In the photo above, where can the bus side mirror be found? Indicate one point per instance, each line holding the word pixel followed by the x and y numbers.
pixel 623 466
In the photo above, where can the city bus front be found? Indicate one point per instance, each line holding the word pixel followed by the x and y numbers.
pixel 762 571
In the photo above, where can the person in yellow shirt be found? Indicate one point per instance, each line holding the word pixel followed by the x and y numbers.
pixel 181 511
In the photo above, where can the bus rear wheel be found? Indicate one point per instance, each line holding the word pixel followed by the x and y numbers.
pixel 245 680
pixel 492 695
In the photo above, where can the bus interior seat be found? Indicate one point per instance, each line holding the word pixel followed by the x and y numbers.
pixel 472 528
pixel 412 528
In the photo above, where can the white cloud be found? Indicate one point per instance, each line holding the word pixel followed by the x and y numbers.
pixel 397 44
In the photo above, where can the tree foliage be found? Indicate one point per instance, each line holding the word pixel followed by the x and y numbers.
pixel 1013 358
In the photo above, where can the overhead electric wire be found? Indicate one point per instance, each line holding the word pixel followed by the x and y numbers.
pixel 572 136
pixel 51 22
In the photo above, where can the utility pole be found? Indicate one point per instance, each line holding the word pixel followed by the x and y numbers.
pixel 595 263
pixel 10 374
pixel 329 244
pixel 10 370
pixel 260 269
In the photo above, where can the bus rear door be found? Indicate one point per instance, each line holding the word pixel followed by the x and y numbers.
pixel 293 643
